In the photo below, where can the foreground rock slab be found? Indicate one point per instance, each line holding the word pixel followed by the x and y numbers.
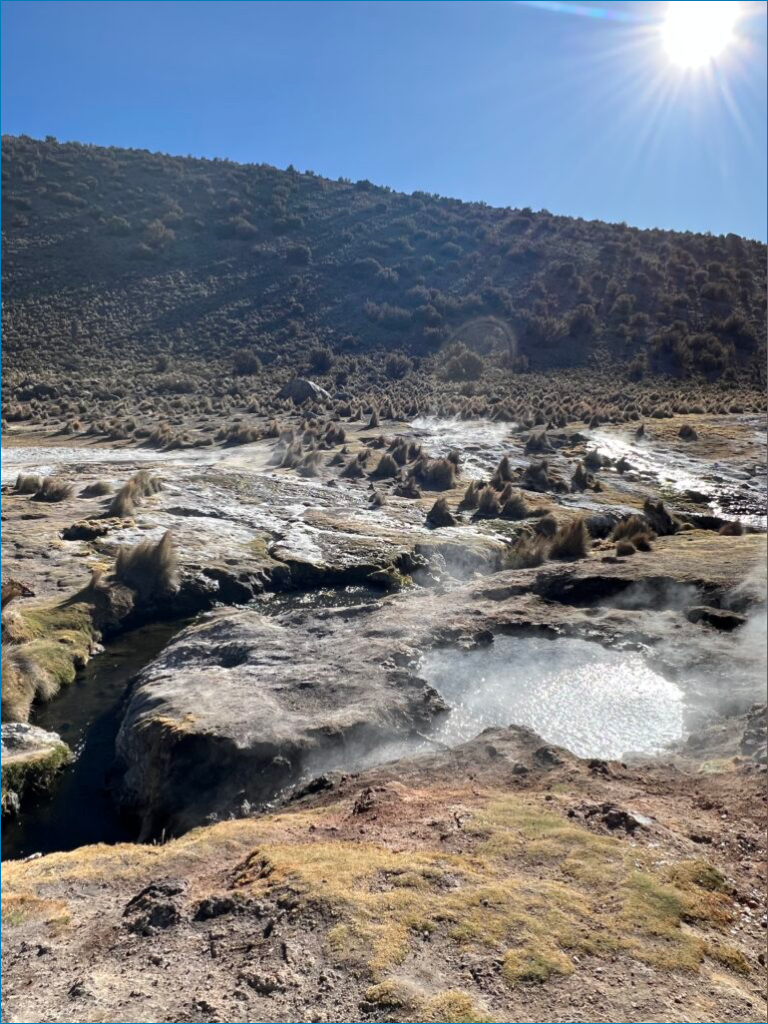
pixel 240 704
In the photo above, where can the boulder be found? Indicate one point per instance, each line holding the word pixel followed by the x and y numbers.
pixel 241 705
pixel 300 390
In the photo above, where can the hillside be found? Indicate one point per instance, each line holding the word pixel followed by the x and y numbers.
pixel 113 257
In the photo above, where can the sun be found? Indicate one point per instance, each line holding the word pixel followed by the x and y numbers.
pixel 696 33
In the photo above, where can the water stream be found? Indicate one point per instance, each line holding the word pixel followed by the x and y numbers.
pixel 79 809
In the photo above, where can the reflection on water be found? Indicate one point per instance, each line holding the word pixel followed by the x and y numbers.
pixel 594 701
pixel 481 442
pixel 87 714
pixel 735 494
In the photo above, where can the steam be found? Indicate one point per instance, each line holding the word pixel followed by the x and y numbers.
pixel 595 701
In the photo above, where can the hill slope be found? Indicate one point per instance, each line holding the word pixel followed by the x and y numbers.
pixel 118 256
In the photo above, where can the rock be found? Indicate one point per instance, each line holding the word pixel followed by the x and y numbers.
pixel 753 740
pixel 300 390
pixel 698 497
pixel 240 705
pixel 720 618
pixel 365 801
pixel 687 433
pixel 89 529
pixel 319 784
pixel 389 578
pixel 155 908
pixel 30 759
pixel 215 906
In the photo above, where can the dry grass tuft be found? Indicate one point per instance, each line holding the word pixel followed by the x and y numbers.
pixel 54 489
pixel 571 541
pixel 148 568
pixel 27 483
pixel 98 489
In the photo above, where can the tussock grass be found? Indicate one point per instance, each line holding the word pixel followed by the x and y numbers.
pixel 435 474
pixel 98 489
pixel 571 541
pixel 54 489
pixel 27 483
pixel 148 568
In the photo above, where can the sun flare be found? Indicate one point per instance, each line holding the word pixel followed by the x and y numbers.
pixel 696 33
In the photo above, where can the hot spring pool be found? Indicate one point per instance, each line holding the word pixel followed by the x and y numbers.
pixel 594 701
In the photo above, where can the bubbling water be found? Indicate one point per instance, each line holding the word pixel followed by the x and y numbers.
pixel 594 701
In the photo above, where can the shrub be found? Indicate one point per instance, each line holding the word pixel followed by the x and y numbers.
pixel 464 364
pixel 321 359
pixel 397 366
pixel 246 363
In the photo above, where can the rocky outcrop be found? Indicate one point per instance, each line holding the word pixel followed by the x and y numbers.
pixel 239 705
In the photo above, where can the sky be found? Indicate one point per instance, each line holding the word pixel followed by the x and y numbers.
pixel 574 108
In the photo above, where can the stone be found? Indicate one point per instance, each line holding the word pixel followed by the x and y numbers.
pixel 239 705
pixel 719 618
pixel 300 390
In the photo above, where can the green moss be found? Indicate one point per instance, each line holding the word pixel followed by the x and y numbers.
pixel 35 772
pixel 48 620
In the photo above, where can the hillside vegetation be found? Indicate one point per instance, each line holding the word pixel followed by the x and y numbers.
pixel 124 258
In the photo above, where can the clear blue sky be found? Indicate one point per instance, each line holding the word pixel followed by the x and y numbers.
pixel 575 110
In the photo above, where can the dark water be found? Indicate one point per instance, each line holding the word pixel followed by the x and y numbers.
pixel 312 600
pixel 87 715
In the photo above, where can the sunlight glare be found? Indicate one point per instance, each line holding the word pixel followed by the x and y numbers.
pixel 696 33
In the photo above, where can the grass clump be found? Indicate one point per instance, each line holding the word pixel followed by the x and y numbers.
pixel 571 541
pixel 98 489
pixel 435 474
pixel 27 483
pixel 148 568
pixel 531 965
pixel 526 553
pixel 515 507
pixel 57 643
pixel 53 488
